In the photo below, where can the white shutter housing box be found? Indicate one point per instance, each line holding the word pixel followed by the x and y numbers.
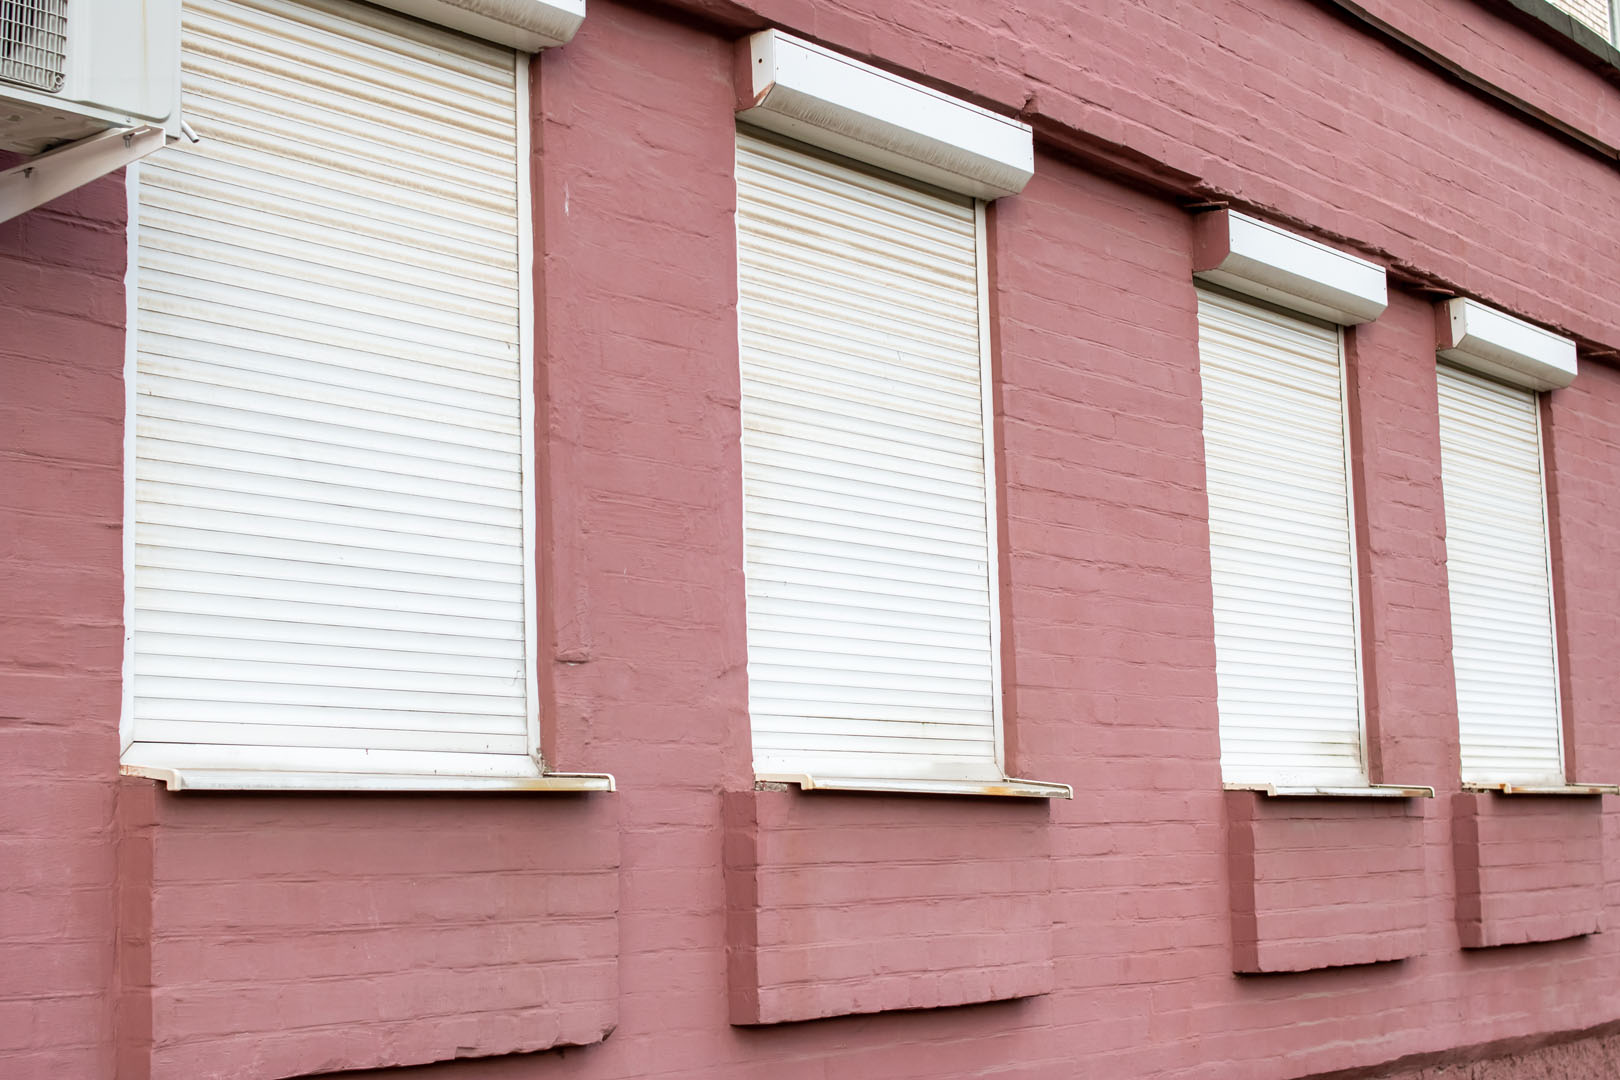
pixel 529 25
pixel 1259 259
pixel 817 96
pixel 1495 343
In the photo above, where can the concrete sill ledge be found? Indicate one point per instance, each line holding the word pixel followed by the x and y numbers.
pixel 1506 788
pixel 1370 791
pixel 266 780
pixel 1010 787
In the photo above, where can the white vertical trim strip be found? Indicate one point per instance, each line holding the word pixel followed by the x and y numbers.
pixel 132 198
pixel 991 485
pixel 526 405
pixel 1552 594
pixel 1355 549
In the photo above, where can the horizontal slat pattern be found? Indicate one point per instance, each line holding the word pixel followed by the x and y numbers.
pixel 1503 648
pixel 1287 660
pixel 328 478
pixel 869 607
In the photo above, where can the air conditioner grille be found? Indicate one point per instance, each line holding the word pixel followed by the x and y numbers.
pixel 33 42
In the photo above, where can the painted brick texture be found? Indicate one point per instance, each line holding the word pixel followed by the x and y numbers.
pixel 61 640
pixel 284 936
pixel 1528 868
pixel 1109 664
pixel 1259 104
pixel 830 914
pixel 1324 882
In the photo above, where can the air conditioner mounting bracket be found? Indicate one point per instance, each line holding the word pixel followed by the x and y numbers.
pixel 54 173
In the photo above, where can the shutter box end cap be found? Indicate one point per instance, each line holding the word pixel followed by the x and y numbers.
pixel 1494 343
pixel 1259 259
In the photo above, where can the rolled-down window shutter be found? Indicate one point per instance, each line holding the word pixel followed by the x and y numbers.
pixel 870 609
pixel 328 509
pixel 1503 649
pixel 1281 555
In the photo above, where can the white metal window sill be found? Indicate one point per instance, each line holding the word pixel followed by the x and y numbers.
pixel 1010 787
pixel 1328 791
pixel 1508 788
pixel 276 780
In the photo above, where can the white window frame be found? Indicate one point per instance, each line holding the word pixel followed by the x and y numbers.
pixel 1004 785
pixel 1304 781
pixel 1550 782
pixel 235 768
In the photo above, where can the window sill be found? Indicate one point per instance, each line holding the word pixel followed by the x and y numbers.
pixel 1508 788
pixel 1010 787
pixel 1309 791
pixel 272 780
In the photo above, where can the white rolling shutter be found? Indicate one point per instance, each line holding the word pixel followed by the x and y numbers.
pixel 331 554
pixel 1281 554
pixel 871 640
pixel 1503 646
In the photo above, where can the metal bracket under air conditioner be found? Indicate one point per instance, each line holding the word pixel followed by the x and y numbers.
pixel 54 173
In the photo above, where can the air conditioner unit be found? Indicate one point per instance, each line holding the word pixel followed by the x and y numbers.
pixel 71 69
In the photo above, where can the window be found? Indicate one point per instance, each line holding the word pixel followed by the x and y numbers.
pixel 869 483
pixel 1503 649
pixel 872 628
pixel 1282 558
pixel 331 562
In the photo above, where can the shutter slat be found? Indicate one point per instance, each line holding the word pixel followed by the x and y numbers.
pixel 187 543
pixel 414 580
pixel 868 565
pixel 281 672
pixel 243 734
pixel 1503 650
pixel 301 194
pixel 302 463
pixel 360 540
pixel 330 550
pixel 256 633
pixel 337 655
pixel 1281 560
pixel 352 493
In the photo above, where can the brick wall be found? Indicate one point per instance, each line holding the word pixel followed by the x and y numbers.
pixel 846 904
pixel 61 641
pixel 1110 667
pixel 1295 109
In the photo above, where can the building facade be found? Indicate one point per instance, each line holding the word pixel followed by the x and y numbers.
pixel 809 539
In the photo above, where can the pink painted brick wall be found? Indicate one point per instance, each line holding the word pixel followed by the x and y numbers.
pixel 1410 699
pixel 841 904
pixel 1324 882
pixel 286 935
pixel 1529 868
pixel 1293 108
pixel 1281 106
pixel 61 354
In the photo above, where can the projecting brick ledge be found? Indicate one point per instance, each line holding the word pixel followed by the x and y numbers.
pixel 277 936
pixel 840 904
pixel 1529 867
pixel 1321 882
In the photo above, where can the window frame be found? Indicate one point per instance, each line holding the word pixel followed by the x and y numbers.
pixel 1538 405
pixel 202 766
pixel 1302 781
pixel 997 785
